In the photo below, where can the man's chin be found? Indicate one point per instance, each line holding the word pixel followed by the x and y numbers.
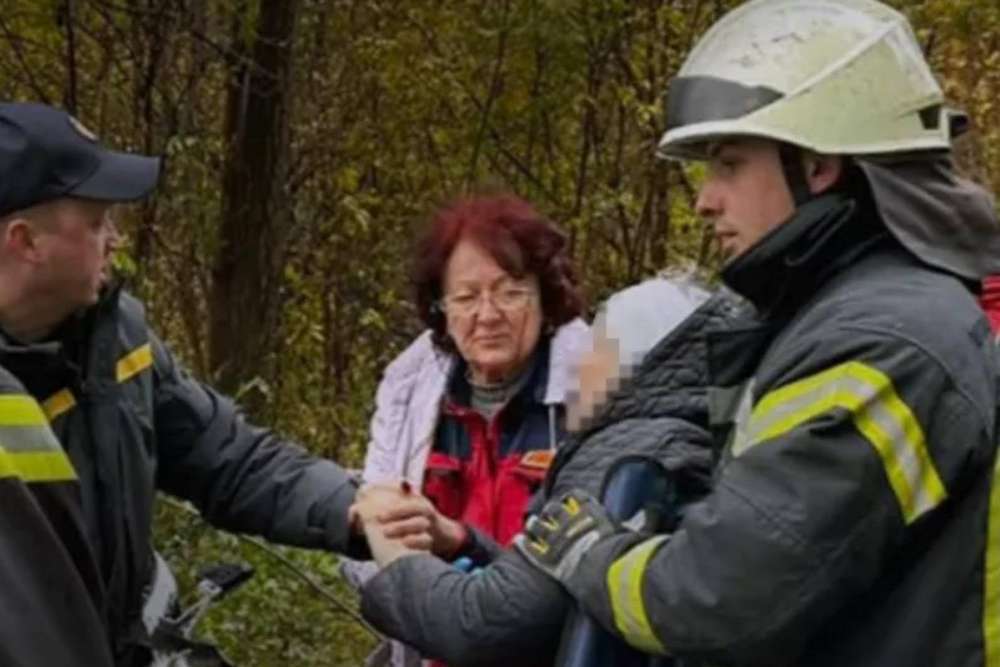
pixel 81 306
pixel 107 286
pixel 92 298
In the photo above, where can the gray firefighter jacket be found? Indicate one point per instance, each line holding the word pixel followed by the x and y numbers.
pixel 508 612
pixel 133 421
pixel 854 518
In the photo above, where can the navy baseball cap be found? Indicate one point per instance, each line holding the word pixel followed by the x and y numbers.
pixel 46 154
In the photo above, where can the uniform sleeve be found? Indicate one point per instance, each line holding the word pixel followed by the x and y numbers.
pixel 242 477
pixel 51 588
pixel 840 456
pixel 496 616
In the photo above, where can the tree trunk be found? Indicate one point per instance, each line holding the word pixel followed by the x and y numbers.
pixel 256 211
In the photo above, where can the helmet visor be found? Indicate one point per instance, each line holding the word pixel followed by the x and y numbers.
pixel 700 99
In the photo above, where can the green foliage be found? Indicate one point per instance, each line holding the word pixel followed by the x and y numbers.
pixel 274 619
pixel 395 108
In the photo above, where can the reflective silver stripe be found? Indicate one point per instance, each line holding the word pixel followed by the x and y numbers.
pixel 624 581
pixel 28 439
pixel 740 439
pixel 869 397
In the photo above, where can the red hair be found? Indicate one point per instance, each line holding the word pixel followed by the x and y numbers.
pixel 516 236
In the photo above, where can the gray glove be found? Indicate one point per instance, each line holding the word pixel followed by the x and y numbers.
pixel 556 539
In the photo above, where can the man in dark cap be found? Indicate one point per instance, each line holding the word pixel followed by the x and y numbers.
pixel 130 419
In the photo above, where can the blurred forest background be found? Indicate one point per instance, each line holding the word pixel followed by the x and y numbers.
pixel 304 139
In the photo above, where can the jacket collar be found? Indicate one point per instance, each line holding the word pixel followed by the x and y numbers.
pixel 790 263
pixel 68 340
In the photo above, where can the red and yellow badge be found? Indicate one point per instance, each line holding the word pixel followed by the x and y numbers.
pixel 538 459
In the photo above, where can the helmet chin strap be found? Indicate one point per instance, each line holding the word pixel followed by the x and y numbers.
pixel 795 173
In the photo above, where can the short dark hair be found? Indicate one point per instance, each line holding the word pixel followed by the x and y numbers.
pixel 519 239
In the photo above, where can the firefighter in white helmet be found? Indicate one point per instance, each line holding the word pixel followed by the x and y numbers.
pixel 854 517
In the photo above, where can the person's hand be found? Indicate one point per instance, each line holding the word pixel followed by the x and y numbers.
pixel 414 520
pixel 384 550
pixel 369 501
pixel 373 499
pixel 366 492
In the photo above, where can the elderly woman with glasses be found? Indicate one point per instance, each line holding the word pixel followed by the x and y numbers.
pixel 641 398
pixel 469 415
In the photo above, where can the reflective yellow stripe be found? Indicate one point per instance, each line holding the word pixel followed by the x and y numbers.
pixel 134 362
pixel 991 583
pixel 58 403
pixel 37 466
pixel 625 589
pixel 20 410
pixel 878 413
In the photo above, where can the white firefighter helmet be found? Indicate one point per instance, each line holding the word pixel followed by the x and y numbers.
pixel 841 77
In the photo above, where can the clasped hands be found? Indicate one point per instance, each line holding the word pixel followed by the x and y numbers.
pixel 398 521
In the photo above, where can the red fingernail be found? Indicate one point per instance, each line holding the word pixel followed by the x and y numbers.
pixel 405 486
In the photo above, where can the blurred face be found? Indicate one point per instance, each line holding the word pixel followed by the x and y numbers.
pixel 75 240
pixel 744 195
pixel 494 318
pixel 599 373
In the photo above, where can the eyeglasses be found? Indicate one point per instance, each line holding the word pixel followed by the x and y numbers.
pixel 508 299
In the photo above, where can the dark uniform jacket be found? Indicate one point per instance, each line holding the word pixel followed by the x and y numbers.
pixel 855 518
pixel 509 613
pixel 133 421
pixel 51 601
